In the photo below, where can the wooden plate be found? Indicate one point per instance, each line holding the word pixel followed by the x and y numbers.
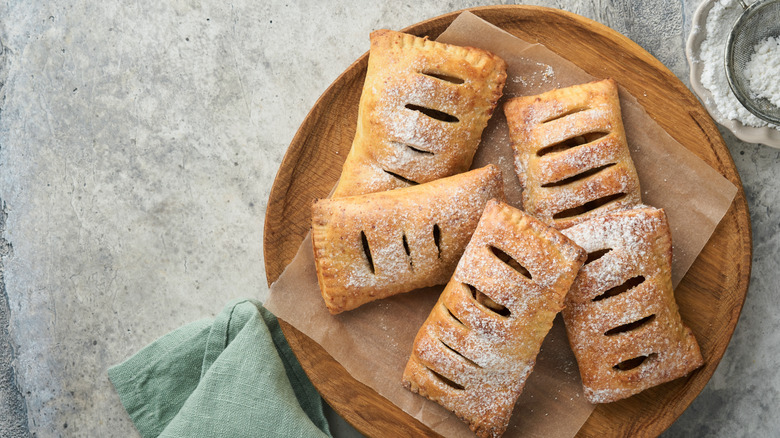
pixel 710 296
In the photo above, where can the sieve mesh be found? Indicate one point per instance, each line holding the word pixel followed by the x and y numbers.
pixel 759 21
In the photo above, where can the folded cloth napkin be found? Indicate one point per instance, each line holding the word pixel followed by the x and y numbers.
pixel 235 376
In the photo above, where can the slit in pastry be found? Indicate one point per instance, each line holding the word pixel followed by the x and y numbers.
pixel 444 77
pixel 630 326
pixel 634 362
pixel 433 113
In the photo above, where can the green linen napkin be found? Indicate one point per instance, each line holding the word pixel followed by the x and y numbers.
pixel 235 376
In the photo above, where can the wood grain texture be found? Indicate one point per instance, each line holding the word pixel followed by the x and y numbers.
pixel 710 296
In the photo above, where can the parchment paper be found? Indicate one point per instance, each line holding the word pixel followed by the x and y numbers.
pixel 374 341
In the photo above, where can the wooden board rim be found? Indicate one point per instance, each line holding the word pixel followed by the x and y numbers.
pixel 604 416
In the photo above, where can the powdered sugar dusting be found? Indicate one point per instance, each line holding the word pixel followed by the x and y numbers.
pixel 543 74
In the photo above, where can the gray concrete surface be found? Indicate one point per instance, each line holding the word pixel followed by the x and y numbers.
pixel 138 144
pixel 13 412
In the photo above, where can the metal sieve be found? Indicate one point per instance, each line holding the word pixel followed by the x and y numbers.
pixel 758 22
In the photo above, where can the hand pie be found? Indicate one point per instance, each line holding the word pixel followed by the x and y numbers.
pixel 480 341
pixel 421 115
pixel 620 315
pixel 571 154
pixel 372 246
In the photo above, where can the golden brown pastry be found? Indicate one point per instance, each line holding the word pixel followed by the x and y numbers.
pixel 372 246
pixel 421 115
pixel 479 344
pixel 621 316
pixel 571 154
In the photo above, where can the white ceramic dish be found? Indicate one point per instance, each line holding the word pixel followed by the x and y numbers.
pixel 750 134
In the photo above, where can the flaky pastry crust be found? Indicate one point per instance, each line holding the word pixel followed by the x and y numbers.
pixel 477 347
pixel 621 316
pixel 422 111
pixel 571 154
pixel 376 245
